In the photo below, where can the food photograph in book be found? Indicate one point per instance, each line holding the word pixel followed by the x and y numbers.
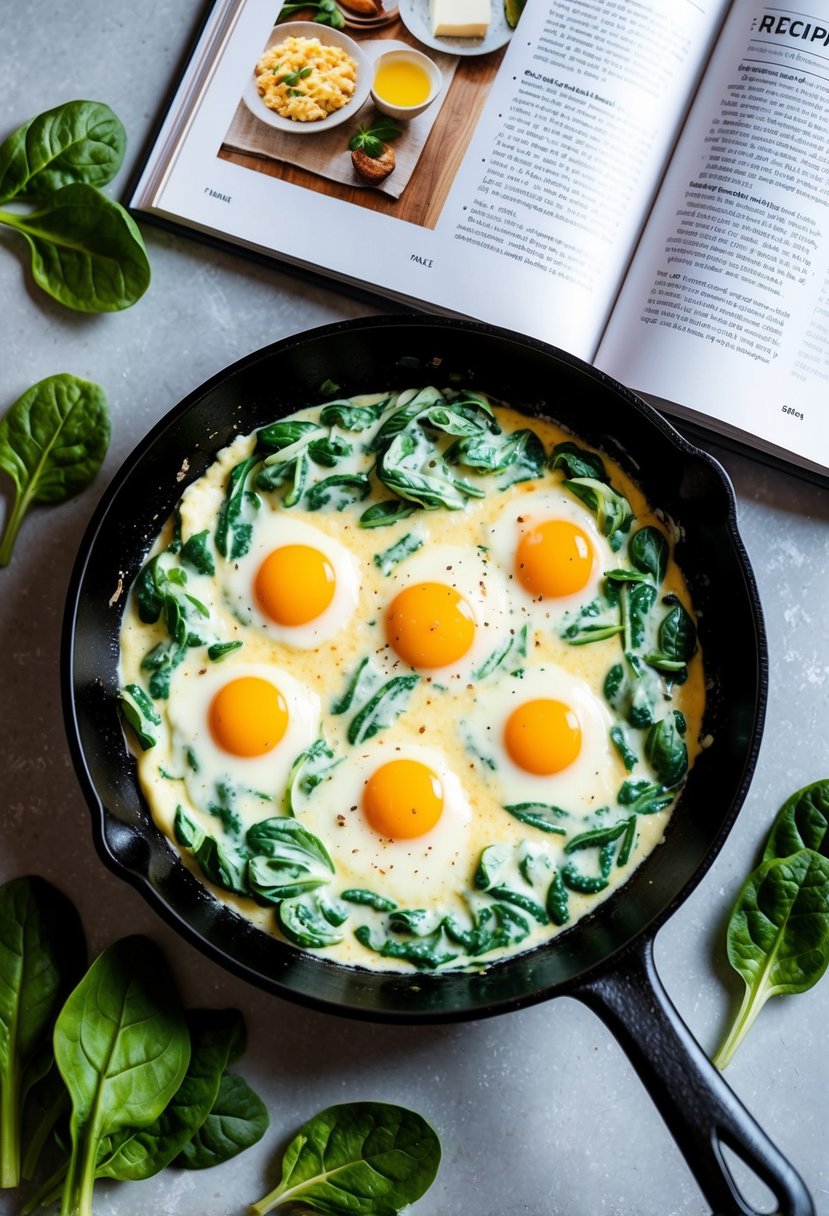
pixel 372 102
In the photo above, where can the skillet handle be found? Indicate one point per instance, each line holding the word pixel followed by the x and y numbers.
pixel 701 1111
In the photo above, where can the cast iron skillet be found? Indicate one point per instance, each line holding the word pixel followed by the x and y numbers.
pixel 604 960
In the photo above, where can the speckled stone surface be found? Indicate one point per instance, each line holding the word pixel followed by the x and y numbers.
pixel 539 1111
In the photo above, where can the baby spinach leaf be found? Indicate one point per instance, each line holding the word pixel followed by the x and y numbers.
pixel 665 749
pixel 644 797
pixel 382 709
pixel 368 899
pixel 494 927
pixel 539 815
pixel 86 250
pixel 79 141
pixel 649 552
pixel 122 1047
pixel 234 521
pixel 778 936
pixel 526 903
pixel 52 443
pixel 494 860
pixel 357 1159
pixel 426 953
pixel 221 864
pixel 558 900
pixel 217 1036
pixel 612 509
pixel 802 822
pixel 287 860
pixel 363 682
pixel 390 511
pixel 329 451
pixel 338 491
pixel 677 636
pixel 236 1120
pixel 577 462
pixel 348 416
pixel 284 434
pixel 141 714
pixel 405 547
pixel 310 768
pixel 626 753
pixel 196 553
pixel 42 953
pixel 309 921
pixel 217 650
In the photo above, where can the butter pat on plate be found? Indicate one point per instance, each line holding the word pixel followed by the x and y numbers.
pixel 460 18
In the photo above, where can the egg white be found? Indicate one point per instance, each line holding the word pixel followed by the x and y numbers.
pixel 521 515
pixel 258 782
pixel 483 586
pixel 273 529
pixel 594 777
pixel 426 868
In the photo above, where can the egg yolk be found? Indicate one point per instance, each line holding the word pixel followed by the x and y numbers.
pixel 554 558
pixel 430 625
pixel 543 736
pixel 295 584
pixel 248 716
pixel 403 799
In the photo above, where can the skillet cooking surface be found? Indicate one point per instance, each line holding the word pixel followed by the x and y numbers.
pixel 377 354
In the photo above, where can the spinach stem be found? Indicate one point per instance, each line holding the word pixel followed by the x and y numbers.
pixel 10 1127
pixel 740 1028
pixel 13 522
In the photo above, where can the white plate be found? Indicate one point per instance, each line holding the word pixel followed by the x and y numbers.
pixel 328 37
pixel 415 16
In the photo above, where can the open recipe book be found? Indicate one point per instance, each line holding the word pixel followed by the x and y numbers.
pixel 643 183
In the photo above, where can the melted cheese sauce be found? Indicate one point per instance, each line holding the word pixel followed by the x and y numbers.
pixel 467 733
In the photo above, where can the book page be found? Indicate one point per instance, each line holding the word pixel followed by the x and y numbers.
pixel 726 308
pixel 564 130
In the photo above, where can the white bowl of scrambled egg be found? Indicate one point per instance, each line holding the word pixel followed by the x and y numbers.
pixel 307 79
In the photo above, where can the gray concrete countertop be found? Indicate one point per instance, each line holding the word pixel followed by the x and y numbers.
pixel 539 1112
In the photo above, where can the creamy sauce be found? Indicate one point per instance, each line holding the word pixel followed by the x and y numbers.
pixel 447 720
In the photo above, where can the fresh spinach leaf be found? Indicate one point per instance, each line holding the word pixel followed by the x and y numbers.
pixel 348 416
pixel 80 141
pixel 426 953
pixel 216 651
pixel 237 1120
pixel 778 936
pixel 122 1046
pixel 52 442
pixel 216 1038
pixel 86 250
pixel 802 822
pixel 42 954
pixel 645 797
pixel 357 1159
pixel 278 436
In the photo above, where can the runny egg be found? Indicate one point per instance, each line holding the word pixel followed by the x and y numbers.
pixel 446 610
pixel 236 731
pixel 545 738
pixel 548 543
pixel 295 582
pixel 399 819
